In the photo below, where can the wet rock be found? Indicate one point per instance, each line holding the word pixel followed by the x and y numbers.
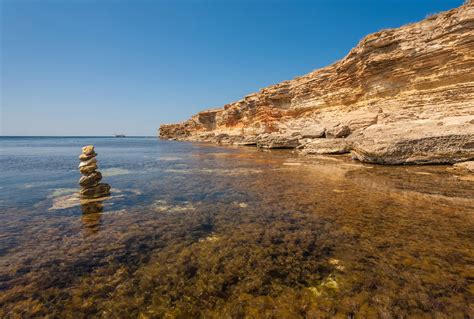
pixel 276 140
pixel 100 190
pixel 90 180
pixel 338 131
pixel 327 146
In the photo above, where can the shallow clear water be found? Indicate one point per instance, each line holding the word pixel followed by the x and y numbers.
pixel 193 230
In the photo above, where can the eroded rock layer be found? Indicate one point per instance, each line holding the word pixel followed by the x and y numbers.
pixel 402 95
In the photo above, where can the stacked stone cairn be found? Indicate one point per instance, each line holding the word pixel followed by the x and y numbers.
pixel 90 181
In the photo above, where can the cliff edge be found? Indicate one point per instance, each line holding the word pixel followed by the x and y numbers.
pixel 403 95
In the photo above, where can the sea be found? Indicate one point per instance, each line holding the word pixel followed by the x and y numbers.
pixel 194 230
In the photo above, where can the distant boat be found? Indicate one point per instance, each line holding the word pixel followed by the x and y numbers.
pixel 119 135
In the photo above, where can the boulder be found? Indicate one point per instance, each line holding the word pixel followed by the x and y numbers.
pixel 327 146
pixel 448 140
pixel 276 140
pixel 338 131
pixel 313 132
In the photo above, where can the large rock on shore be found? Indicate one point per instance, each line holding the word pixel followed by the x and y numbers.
pixel 277 141
pixel 386 97
pixel 327 146
pixel 467 167
pixel 448 140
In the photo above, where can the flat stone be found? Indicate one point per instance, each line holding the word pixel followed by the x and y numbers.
pixel 248 141
pixel 90 180
pixel 88 169
pixel 84 157
pixel 276 140
pixel 100 190
pixel 313 132
pixel 88 150
pixel 88 162
pixel 327 146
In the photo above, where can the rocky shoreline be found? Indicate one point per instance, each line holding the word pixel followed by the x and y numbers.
pixel 401 96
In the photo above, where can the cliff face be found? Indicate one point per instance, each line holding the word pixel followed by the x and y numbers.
pixel 402 95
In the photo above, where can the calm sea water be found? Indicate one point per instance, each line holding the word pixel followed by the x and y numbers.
pixel 198 231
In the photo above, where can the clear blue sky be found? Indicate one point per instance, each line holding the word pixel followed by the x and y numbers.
pixel 77 67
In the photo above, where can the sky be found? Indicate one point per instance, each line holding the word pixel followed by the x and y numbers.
pixel 83 67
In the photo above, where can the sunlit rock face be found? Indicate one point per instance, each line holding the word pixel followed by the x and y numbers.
pixel 411 78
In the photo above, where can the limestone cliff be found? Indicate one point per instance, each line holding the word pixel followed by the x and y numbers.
pixel 402 95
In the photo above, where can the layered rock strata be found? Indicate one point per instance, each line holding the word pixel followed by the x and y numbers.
pixel 90 181
pixel 402 95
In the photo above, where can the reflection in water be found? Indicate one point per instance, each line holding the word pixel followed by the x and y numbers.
pixel 91 214
pixel 245 235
